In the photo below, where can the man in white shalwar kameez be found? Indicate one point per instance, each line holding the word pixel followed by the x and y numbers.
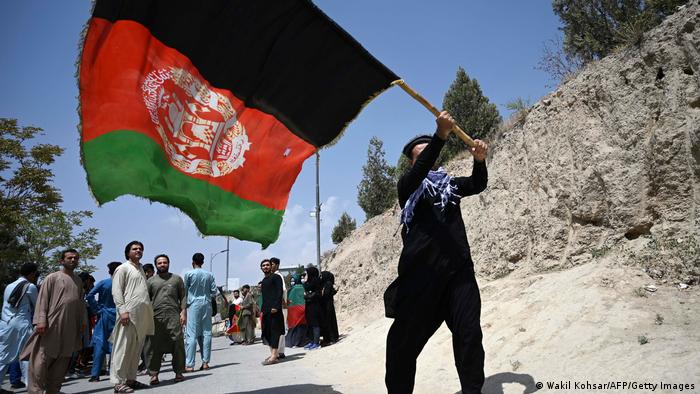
pixel 134 320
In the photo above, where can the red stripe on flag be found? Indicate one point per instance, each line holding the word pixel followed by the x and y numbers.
pixel 130 80
pixel 296 315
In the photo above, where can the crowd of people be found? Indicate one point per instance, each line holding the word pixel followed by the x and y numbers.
pixel 298 316
pixel 69 324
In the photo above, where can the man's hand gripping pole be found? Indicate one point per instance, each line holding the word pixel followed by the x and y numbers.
pixel 460 133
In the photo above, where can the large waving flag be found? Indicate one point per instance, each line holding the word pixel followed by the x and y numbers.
pixel 213 106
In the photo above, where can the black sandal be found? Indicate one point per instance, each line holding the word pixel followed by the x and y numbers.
pixel 136 385
pixel 122 388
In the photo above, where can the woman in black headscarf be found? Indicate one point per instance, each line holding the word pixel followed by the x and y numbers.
pixel 329 323
pixel 312 295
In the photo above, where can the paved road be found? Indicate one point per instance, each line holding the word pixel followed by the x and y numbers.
pixel 234 369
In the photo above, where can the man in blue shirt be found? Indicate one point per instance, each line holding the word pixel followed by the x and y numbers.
pixel 106 313
pixel 201 287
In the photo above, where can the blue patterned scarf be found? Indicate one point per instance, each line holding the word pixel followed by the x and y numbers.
pixel 436 183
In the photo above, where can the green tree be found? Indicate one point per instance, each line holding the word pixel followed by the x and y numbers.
pixel 471 110
pixel 377 190
pixel 345 226
pixel 519 104
pixel 26 190
pixel 520 108
pixel 593 28
pixel 401 167
pixel 48 234
pixel 25 177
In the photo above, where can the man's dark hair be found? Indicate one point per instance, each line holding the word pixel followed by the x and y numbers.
pixel 111 267
pixel 161 255
pixel 236 291
pixel 84 276
pixel 261 263
pixel 198 259
pixel 275 261
pixel 128 247
pixel 149 267
pixel 245 287
pixel 71 250
pixel 28 269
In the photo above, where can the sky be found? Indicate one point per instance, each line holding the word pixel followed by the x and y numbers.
pixel 497 42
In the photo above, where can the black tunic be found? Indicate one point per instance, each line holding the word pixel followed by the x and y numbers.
pixel 329 326
pixel 272 293
pixel 273 323
pixel 312 296
pixel 435 241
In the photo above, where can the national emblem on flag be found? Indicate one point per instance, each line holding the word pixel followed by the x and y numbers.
pixel 212 107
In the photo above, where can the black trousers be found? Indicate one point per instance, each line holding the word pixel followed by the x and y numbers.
pixel 273 328
pixel 459 306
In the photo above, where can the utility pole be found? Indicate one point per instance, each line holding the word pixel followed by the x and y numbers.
pixel 227 249
pixel 318 213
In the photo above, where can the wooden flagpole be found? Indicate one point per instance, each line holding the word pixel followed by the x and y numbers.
pixel 457 130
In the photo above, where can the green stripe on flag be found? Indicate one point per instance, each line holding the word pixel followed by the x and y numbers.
pixel 127 162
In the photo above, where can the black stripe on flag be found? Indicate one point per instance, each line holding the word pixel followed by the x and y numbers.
pixel 283 57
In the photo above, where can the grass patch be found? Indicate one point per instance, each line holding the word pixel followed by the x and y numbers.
pixel 600 252
pixel 515 365
pixel 640 292
pixel 659 320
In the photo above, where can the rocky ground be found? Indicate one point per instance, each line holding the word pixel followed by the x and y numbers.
pixel 594 194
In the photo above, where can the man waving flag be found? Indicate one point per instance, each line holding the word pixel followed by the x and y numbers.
pixel 212 107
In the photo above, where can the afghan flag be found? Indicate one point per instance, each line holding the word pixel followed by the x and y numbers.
pixel 296 307
pixel 213 106
pixel 235 316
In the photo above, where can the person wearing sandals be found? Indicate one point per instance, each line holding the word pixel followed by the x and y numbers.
pixel 134 320
pixel 273 319
pixel 60 321
pixel 201 288
pixel 274 267
pixel 169 298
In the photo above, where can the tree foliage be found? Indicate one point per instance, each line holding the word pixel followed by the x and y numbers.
pixel 30 204
pixel 594 28
pixel 47 235
pixel 345 226
pixel 26 187
pixel 377 190
pixel 401 167
pixel 471 110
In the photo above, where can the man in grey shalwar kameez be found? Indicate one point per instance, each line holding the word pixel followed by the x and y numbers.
pixel 169 298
